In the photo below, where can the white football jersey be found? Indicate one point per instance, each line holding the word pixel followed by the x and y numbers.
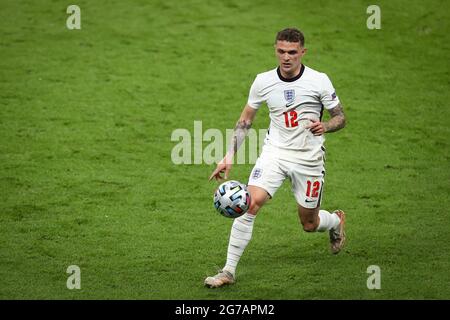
pixel 293 103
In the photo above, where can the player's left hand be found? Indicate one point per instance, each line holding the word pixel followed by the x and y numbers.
pixel 316 127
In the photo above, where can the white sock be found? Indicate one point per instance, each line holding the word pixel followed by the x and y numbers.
pixel 241 233
pixel 328 221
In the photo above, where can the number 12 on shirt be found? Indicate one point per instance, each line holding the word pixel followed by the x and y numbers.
pixel 290 119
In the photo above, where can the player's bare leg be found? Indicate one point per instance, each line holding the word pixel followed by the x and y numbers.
pixel 321 220
pixel 241 233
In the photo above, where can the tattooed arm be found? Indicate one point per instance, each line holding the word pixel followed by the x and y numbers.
pixel 240 132
pixel 336 122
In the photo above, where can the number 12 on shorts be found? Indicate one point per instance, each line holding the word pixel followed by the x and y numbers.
pixel 312 188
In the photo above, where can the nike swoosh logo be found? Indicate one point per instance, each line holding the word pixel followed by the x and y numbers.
pixel 289 104
pixel 307 200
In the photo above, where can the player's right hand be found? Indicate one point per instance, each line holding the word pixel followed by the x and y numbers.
pixel 223 166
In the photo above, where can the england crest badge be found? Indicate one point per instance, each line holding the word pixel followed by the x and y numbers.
pixel 257 172
pixel 289 95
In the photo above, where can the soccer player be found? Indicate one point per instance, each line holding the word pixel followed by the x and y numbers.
pixel 293 148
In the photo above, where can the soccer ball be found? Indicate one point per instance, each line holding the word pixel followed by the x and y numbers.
pixel 232 199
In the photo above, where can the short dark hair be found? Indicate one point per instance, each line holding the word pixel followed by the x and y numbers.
pixel 291 35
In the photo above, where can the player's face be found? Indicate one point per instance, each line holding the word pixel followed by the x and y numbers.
pixel 289 56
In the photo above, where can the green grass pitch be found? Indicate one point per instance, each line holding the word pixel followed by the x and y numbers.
pixel 86 176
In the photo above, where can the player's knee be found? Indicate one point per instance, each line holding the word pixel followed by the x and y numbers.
pixel 309 226
pixel 309 219
pixel 255 206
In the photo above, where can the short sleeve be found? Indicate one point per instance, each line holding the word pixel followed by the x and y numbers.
pixel 254 97
pixel 328 95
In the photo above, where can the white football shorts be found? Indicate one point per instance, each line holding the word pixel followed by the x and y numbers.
pixel 307 182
